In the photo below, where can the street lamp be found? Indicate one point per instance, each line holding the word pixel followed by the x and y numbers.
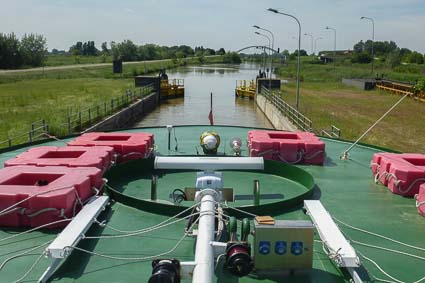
pixel 312 39
pixel 334 44
pixel 263 35
pixel 373 35
pixel 271 51
pixel 299 50
pixel 315 43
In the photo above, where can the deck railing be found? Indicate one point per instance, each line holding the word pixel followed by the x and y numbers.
pixel 75 122
pixel 293 115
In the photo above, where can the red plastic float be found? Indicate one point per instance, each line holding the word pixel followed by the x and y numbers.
pixel 289 147
pixel 51 193
pixel 128 146
pixel 420 200
pixel 70 156
pixel 401 173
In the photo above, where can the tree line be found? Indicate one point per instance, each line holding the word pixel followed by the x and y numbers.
pixel 127 50
pixel 15 53
pixel 386 51
pixel 31 51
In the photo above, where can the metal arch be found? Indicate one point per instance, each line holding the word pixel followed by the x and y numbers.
pixel 256 46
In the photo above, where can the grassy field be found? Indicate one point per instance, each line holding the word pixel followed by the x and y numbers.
pixel 325 100
pixel 61 60
pixel 311 72
pixel 26 97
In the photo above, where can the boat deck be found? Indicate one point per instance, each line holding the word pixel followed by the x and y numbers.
pixel 345 187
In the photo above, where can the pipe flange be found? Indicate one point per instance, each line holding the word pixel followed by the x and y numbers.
pixel 207 191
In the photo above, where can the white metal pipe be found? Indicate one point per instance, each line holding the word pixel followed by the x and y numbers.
pixel 204 254
pixel 210 163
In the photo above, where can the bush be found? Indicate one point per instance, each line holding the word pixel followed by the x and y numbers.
pixel 416 57
pixel 419 86
pixel 361 57
pixel 232 58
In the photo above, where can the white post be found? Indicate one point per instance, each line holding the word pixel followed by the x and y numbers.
pixel 204 254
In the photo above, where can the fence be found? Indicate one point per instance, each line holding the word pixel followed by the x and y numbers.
pixel 76 122
pixel 39 129
pixel 293 115
pixel 333 133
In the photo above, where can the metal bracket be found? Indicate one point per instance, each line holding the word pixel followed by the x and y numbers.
pixel 59 249
pixel 345 255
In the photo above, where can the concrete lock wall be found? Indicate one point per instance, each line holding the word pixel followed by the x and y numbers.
pixel 360 83
pixel 276 118
pixel 127 116
pixel 273 83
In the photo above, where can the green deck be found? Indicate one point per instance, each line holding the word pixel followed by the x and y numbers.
pixel 346 189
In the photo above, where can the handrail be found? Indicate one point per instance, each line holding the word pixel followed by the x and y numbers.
pixel 87 116
pixel 333 133
pixel 38 129
pixel 77 121
pixel 294 116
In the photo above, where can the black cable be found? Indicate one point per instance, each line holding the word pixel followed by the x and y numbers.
pixel 175 139
pixel 180 197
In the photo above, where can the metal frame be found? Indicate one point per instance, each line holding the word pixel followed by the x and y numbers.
pixel 344 254
pixel 60 249
pixel 294 116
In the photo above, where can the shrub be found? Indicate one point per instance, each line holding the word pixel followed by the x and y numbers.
pixel 361 57
pixel 232 58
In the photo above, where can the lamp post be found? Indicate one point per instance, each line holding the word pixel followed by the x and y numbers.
pixel 334 45
pixel 315 43
pixel 312 40
pixel 271 51
pixel 299 49
pixel 373 36
pixel 263 35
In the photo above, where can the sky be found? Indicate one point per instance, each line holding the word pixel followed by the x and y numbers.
pixel 216 24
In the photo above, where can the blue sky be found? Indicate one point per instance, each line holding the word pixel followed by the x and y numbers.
pixel 215 23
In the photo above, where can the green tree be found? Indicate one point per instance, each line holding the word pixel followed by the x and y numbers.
pixel 361 57
pixel 221 51
pixel 115 51
pixel 416 57
pixel 127 50
pixel 33 48
pixel 232 58
pixel 302 52
pixel 10 53
pixel 104 48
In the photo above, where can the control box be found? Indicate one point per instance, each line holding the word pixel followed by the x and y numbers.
pixel 287 244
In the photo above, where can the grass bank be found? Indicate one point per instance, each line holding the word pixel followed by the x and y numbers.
pixel 62 60
pixel 29 96
pixel 325 100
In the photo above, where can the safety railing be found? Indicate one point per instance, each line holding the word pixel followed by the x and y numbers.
pixel 334 132
pixel 38 130
pixel 83 118
pixel 293 115
pixel 80 119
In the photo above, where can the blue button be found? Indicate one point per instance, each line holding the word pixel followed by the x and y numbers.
pixel 280 247
pixel 264 247
pixel 297 248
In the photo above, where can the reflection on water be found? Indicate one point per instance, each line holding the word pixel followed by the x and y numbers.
pixel 194 108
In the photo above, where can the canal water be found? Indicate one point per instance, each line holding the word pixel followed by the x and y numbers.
pixel 194 108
